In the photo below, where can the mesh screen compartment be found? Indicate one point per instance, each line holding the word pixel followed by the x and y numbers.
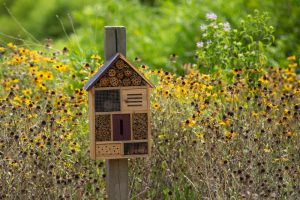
pixel 107 100
pixel 136 148
pixel 102 128
pixel 140 126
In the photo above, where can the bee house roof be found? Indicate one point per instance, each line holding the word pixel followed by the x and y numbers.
pixel 109 63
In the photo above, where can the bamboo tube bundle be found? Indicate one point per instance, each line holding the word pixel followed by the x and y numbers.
pixel 104 82
pixel 112 72
pixel 126 82
pixel 128 73
pixel 114 81
pixel 120 64
pixel 120 75
pixel 136 80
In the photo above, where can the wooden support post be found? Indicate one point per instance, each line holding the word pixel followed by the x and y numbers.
pixel 116 169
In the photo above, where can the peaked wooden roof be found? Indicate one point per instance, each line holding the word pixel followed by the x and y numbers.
pixel 107 65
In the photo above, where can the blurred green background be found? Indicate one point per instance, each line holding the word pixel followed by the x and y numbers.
pixel 156 29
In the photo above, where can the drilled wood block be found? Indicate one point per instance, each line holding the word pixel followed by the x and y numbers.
pixel 140 126
pixel 103 127
pixel 108 149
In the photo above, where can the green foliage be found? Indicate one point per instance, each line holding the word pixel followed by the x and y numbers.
pixel 157 28
pixel 244 47
pixel 36 20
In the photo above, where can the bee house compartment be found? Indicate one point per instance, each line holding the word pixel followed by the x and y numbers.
pixel 107 100
pixel 135 148
pixel 108 149
pixel 103 128
pixel 121 127
pixel 140 126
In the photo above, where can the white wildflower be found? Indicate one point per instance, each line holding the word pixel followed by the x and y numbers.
pixel 203 27
pixel 211 16
pixel 200 44
pixel 226 26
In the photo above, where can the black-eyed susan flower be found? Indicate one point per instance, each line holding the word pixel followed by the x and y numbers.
pixel 188 122
pixel 166 93
pixel 27 92
pixel 156 105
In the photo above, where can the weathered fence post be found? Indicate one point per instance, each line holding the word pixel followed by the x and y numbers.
pixel 116 169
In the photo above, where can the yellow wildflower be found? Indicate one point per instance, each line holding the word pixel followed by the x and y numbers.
pixel 267 150
pixel 254 114
pixel 293 65
pixel 200 136
pixel 11 45
pixel 95 57
pixel 27 92
pixel 166 93
pixel 60 67
pixel 291 58
pixel 156 105
pixel 18 99
pixel 189 122
pixel 24 51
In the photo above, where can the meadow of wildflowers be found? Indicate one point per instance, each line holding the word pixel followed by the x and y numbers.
pixel 214 136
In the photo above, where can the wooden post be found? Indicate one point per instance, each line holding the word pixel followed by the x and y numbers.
pixel 116 169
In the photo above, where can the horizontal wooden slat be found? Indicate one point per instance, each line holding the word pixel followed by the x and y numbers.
pixel 134 99
pixel 115 88
pixel 120 142
pixel 121 112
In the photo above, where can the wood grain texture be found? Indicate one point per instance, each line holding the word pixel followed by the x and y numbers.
pixel 114 41
pixel 117 170
pixel 149 122
pixel 117 179
pixel 121 40
pixel 134 100
pixel 91 104
pixel 115 88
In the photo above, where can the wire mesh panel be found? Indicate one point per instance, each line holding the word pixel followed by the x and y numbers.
pixel 140 126
pixel 107 100
pixel 103 128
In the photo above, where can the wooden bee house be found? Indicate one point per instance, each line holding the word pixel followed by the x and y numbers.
pixel 119 105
